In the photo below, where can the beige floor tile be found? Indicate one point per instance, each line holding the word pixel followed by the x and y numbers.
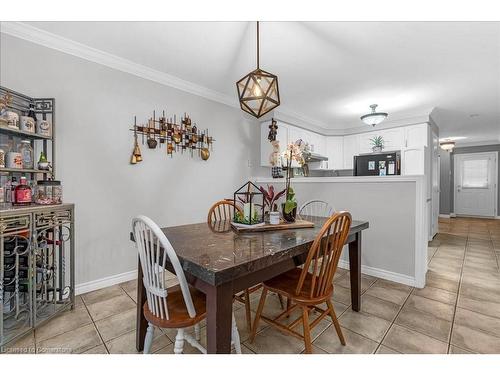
pixel 78 302
pixel 436 294
pixel 130 287
pixel 117 325
pixel 355 344
pixel 385 350
pixel 407 341
pixel 478 321
pixel 112 306
pixel 272 341
pixel 456 350
pixel 480 293
pixel 484 307
pixel 379 307
pixel 102 294
pixel 76 341
pixel 366 282
pixel 67 321
pixel 441 281
pixel 100 349
pixel 24 345
pixel 388 294
pixel 125 344
pixel 365 324
pixel 342 295
pixel 425 323
pixel 435 308
pixel 475 340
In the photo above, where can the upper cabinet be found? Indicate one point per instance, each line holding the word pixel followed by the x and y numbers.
pixel 341 150
pixel 334 150
pixel 351 148
pixel 416 135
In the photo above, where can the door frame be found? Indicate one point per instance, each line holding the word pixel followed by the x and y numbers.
pixel 495 179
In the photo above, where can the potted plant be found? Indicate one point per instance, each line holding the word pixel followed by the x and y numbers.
pixel 377 143
pixel 293 152
pixel 270 199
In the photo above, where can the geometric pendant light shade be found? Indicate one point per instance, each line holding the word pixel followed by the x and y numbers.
pixel 258 91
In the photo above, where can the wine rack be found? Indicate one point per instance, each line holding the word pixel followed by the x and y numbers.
pixel 36 267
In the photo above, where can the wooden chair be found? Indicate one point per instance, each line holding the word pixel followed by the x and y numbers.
pixel 219 217
pixel 307 289
pixel 316 207
pixel 178 307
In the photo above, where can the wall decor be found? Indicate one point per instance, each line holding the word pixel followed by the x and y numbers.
pixel 258 91
pixel 163 132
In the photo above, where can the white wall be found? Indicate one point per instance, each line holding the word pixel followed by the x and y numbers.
pixel 95 106
pixel 395 245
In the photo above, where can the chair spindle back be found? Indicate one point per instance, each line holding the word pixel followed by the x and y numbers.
pixel 154 251
pixel 222 211
pixel 317 208
pixel 324 254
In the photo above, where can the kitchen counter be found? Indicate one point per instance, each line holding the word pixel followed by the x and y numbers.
pixel 395 246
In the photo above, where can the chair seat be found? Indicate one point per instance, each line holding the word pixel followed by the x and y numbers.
pixel 178 314
pixel 286 284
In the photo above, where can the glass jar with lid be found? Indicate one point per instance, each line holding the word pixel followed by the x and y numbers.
pixel 26 152
pixel 48 192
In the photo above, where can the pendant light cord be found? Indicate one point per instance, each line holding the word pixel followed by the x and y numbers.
pixel 258 57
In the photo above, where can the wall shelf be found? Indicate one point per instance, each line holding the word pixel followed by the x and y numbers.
pixel 22 133
pixel 23 170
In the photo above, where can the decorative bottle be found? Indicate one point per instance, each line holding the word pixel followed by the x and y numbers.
pixel 22 193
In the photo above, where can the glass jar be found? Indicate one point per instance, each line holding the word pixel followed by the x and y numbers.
pixel 26 152
pixel 48 192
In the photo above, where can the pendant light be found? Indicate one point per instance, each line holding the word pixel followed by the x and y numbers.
pixel 447 145
pixel 374 118
pixel 258 91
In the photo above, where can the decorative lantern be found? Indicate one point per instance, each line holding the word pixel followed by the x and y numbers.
pixel 258 91
pixel 252 200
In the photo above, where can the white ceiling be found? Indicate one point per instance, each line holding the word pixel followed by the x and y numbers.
pixel 329 72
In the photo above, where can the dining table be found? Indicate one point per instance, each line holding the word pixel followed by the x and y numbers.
pixel 221 262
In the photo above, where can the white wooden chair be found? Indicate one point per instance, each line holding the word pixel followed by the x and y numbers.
pixel 317 208
pixel 177 307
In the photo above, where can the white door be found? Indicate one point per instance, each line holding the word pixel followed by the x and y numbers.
pixel 476 184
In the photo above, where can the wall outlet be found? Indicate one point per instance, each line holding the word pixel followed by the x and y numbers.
pixel 249 163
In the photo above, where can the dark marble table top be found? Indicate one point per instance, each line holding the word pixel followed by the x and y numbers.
pixel 219 254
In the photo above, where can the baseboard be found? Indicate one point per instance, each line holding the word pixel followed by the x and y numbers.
pixel 452 214
pixel 444 216
pixel 382 274
pixel 105 282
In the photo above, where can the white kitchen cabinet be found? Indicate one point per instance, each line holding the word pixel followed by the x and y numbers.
pixel 334 150
pixel 416 135
pixel 365 144
pixel 394 139
pixel 413 161
pixel 266 147
pixel 351 148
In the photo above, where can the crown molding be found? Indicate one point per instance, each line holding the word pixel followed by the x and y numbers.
pixel 71 47
pixel 44 38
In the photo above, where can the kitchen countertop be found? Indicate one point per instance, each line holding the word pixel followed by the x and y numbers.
pixel 295 180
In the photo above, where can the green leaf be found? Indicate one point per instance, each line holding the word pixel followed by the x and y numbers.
pixel 289 206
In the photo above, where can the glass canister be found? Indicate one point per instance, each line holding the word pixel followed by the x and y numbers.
pixel 26 152
pixel 48 192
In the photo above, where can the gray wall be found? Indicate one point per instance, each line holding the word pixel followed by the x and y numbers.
pixel 447 174
pixel 95 107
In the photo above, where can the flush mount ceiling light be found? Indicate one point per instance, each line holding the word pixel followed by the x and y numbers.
pixel 258 91
pixel 447 145
pixel 374 118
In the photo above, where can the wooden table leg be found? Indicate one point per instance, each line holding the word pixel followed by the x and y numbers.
pixel 142 323
pixel 219 314
pixel 355 271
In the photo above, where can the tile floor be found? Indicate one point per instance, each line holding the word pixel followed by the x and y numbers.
pixel 457 312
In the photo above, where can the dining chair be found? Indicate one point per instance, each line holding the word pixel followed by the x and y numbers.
pixel 219 216
pixel 308 289
pixel 179 306
pixel 317 208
